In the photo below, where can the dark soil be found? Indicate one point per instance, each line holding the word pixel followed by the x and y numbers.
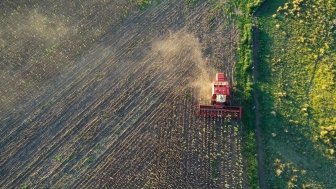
pixel 123 113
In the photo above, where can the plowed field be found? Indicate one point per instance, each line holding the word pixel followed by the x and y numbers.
pixel 124 115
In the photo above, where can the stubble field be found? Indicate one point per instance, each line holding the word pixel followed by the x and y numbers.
pixel 123 114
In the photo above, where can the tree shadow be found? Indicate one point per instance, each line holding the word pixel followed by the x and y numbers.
pixel 262 44
pixel 292 145
pixel 269 7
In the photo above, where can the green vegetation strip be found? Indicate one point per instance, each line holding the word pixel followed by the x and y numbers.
pixel 245 85
pixel 297 92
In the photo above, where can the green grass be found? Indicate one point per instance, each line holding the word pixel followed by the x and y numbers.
pixel 244 84
pixel 143 4
pixel 295 76
pixel 250 154
pixel 269 7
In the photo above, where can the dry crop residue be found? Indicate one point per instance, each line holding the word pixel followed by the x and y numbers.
pixel 124 115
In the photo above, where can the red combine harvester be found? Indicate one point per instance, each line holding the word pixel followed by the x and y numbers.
pixel 220 101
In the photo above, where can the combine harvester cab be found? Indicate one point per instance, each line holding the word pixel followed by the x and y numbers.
pixel 220 101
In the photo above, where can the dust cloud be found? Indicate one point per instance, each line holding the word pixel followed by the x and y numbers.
pixel 27 39
pixel 180 50
pixel 49 28
pixel 28 25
